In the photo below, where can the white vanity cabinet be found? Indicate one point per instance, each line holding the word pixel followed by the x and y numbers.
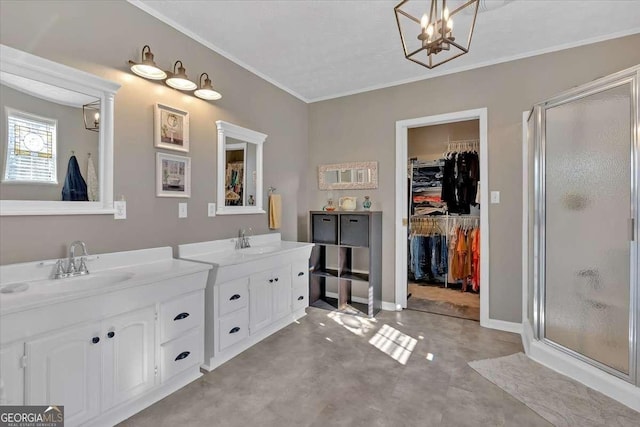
pixel 104 353
pixel 12 374
pixel 251 293
pixel 64 368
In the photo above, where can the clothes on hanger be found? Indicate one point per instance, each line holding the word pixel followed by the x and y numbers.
pixel 461 174
pixel 75 187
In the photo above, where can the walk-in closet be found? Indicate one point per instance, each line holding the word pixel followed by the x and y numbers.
pixel 443 271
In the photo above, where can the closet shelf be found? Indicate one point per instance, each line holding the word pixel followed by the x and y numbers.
pixel 327 272
pixel 356 276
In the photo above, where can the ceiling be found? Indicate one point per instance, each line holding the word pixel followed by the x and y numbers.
pixel 318 49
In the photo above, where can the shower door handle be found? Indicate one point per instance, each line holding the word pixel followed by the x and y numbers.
pixel 632 228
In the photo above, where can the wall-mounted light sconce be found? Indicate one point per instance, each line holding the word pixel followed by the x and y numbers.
pixel 206 90
pixel 180 80
pixel 147 68
pixel 91 116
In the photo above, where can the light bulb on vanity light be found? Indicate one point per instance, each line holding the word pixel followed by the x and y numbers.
pixel 96 119
pixel 206 90
pixel 180 80
pixel 147 68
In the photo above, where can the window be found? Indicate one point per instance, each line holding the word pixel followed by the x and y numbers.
pixel 31 148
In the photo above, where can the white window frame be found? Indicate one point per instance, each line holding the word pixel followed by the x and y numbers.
pixel 9 112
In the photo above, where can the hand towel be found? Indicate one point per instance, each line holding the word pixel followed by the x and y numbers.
pixel 75 188
pixel 92 182
pixel 275 211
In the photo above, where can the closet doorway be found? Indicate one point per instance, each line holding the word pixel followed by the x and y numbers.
pixel 442 235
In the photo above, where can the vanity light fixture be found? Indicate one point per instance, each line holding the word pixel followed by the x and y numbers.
pixel 180 80
pixel 91 116
pixel 206 90
pixel 430 40
pixel 147 68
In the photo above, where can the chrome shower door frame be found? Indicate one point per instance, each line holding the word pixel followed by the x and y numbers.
pixel 630 76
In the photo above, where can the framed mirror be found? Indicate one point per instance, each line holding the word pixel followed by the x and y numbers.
pixel 56 155
pixel 348 176
pixel 239 170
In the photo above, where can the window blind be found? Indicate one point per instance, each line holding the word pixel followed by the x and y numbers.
pixel 31 148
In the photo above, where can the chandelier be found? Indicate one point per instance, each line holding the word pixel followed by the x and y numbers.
pixel 427 31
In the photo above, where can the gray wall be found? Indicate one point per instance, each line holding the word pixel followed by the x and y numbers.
pixel 362 127
pixel 71 136
pixel 100 37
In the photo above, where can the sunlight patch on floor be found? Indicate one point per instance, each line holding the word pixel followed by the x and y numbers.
pixel 394 343
pixel 355 324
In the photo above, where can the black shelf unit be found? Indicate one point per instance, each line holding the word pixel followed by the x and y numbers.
pixel 346 262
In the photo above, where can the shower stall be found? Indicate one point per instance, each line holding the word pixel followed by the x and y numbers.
pixel 583 301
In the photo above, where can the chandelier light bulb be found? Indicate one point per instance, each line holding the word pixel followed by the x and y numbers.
pixel 424 21
pixel 446 13
pixel 430 30
pixel 450 24
pixel 96 117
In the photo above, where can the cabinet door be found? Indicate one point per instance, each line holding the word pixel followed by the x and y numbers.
pixel 281 292
pixel 260 301
pixel 11 375
pixel 129 356
pixel 64 369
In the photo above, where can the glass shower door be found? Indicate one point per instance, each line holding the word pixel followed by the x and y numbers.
pixel 587 184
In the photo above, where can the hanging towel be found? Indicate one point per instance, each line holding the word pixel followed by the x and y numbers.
pixel 275 211
pixel 92 181
pixel 75 188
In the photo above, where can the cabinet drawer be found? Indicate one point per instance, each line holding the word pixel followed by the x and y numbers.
pixel 300 297
pixel 233 296
pixel 325 229
pixel 354 230
pixel 181 353
pixel 300 273
pixel 233 328
pixel 180 315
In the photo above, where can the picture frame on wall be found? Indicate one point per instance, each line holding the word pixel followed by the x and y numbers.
pixel 173 175
pixel 171 128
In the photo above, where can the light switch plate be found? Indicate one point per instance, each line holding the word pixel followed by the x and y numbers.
pixel 182 210
pixel 211 209
pixel 121 209
pixel 495 197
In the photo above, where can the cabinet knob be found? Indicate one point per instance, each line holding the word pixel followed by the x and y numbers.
pixel 182 355
pixel 181 316
pixel 270 280
pixel 300 298
pixel 95 340
pixel 301 274
pixel 234 330
pixel 111 334
pixel 234 297
pixel 276 279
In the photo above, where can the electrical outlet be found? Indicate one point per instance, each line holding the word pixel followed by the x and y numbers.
pixel 495 197
pixel 121 209
pixel 211 209
pixel 182 210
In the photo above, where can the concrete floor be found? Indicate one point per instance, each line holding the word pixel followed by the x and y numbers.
pixel 338 370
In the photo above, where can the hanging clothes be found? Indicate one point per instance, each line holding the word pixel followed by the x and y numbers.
pixel 75 187
pixel 461 174
pixel 93 190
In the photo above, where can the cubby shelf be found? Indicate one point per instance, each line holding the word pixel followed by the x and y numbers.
pixel 346 263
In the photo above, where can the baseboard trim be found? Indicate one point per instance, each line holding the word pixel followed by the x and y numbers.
pixel 502 325
pixel 615 388
pixel 390 306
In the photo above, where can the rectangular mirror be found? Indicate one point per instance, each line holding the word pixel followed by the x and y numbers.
pixel 354 176
pixel 239 169
pixel 56 151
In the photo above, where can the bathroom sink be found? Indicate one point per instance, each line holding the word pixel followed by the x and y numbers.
pixel 257 250
pixel 92 280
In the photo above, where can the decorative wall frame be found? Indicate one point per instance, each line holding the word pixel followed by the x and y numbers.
pixel 348 176
pixel 173 175
pixel 170 128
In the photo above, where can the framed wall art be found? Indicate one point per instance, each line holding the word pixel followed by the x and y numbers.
pixel 173 175
pixel 171 128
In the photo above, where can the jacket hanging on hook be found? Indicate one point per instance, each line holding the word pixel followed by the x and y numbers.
pixel 75 188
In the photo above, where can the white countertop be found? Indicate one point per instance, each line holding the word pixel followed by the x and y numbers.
pixel 108 273
pixel 222 253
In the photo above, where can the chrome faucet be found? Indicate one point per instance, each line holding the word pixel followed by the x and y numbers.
pixel 71 269
pixel 242 241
